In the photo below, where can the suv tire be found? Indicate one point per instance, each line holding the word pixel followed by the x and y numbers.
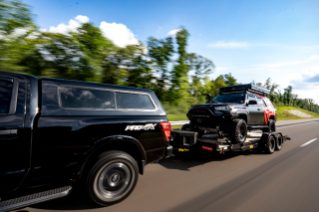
pixel 271 127
pixel 190 127
pixel 112 178
pixel 238 131
pixel 186 127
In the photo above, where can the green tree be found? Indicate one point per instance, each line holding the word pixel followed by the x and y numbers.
pixel 160 52
pixel 179 80
pixel 16 25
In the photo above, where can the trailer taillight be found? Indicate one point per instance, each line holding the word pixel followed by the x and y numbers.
pixel 166 127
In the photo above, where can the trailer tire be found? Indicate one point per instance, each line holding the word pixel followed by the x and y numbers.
pixel 270 145
pixel 279 142
pixel 238 131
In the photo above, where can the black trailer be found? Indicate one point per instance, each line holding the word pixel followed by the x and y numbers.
pixel 185 141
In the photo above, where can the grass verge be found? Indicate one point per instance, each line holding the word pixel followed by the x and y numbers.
pixel 282 114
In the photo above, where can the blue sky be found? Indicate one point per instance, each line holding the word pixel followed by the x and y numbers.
pixel 253 40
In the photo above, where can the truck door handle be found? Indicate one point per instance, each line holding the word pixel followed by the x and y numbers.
pixel 9 132
pixel 258 109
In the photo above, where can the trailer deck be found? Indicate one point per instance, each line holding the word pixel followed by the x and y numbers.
pixel 184 141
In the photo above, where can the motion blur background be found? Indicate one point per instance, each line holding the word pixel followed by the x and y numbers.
pixel 182 50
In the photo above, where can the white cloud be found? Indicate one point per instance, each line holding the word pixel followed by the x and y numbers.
pixel 71 27
pixel 64 29
pixel 118 33
pixel 223 44
pixel 82 19
pixel 173 32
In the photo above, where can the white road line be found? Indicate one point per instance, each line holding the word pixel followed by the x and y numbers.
pixel 308 142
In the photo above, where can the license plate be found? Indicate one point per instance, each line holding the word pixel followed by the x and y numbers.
pixel 207 148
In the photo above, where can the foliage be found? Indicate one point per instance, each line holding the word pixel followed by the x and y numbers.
pixel 178 77
pixel 287 98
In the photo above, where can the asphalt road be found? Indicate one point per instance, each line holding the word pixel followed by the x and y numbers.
pixel 284 181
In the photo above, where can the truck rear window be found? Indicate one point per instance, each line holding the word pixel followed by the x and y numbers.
pixel 5 95
pixel 134 101
pixel 74 97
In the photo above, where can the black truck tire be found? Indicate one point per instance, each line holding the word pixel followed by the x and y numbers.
pixel 238 131
pixel 271 127
pixel 270 145
pixel 112 178
pixel 279 142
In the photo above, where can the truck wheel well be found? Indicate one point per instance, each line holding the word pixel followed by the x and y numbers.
pixel 120 145
pixel 243 117
pixel 272 117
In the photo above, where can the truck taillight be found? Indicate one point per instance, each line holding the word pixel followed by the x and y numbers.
pixel 166 127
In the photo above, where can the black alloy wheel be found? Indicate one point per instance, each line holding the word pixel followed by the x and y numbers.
pixel 271 127
pixel 112 178
pixel 238 131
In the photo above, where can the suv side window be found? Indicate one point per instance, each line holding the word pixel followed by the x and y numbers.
pixel 81 98
pixel 260 101
pixel 251 97
pixel 269 104
pixel 134 101
pixel 5 95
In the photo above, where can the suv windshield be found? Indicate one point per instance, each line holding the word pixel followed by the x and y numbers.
pixel 233 98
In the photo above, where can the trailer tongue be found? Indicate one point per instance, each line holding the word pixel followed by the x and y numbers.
pixel 184 141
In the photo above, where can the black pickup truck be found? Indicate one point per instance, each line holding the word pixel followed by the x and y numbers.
pixel 61 134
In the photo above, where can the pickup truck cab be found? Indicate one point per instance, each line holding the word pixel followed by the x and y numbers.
pixel 69 133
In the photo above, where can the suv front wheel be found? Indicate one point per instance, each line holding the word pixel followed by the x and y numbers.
pixel 238 131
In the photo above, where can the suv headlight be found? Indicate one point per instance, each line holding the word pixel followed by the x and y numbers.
pixel 223 108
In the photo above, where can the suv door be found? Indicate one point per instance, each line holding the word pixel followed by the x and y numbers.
pixel 260 111
pixel 14 150
pixel 253 112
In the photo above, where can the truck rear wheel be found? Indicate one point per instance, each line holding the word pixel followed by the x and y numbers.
pixel 112 178
pixel 238 131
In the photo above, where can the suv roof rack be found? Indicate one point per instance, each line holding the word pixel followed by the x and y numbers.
pixel 245 88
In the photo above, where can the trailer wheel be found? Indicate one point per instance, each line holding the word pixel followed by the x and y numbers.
pixel 271 126
pixel 270 145
pixel 279 142
pixel 238 131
